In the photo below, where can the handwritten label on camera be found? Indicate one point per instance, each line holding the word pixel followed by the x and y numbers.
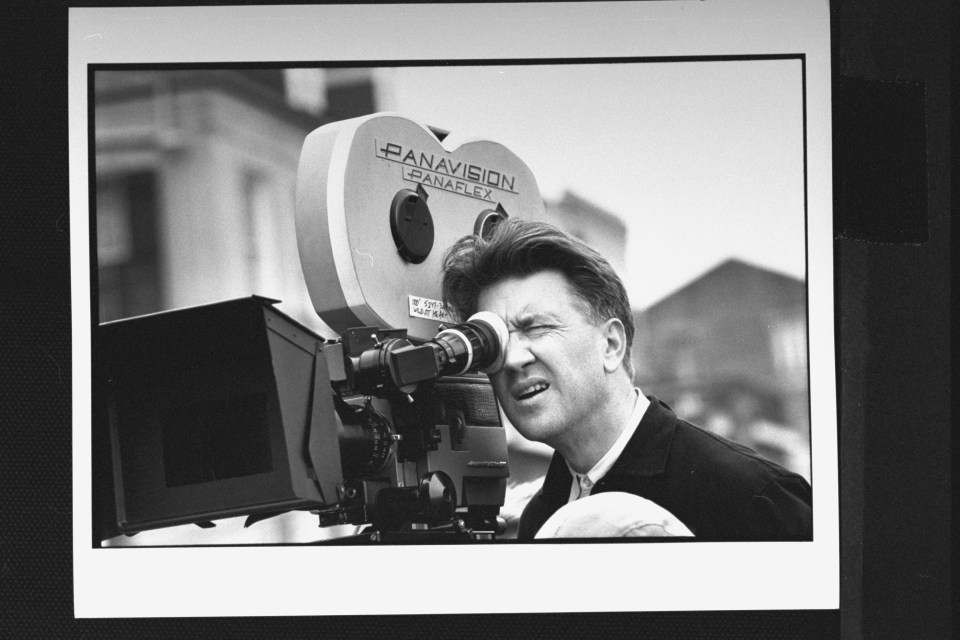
pixel 428 309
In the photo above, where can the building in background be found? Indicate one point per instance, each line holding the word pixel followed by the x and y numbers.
pixel 728 352
pixel 195 182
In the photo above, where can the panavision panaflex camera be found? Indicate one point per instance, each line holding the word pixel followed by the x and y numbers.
pixel 234 408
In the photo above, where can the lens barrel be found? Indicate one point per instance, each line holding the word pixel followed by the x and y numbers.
pixel 475 345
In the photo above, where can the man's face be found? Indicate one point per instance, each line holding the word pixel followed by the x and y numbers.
pixel 553 376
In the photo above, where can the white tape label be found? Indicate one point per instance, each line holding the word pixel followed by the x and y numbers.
pixel 429 309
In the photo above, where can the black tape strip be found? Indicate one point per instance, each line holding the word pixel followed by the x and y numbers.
pixel 880 161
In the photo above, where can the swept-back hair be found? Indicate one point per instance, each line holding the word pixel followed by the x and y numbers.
pixel 519 248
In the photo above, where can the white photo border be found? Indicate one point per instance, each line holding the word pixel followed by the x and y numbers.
pixel 287 580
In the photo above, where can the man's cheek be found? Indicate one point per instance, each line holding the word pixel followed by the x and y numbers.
pixel 499 388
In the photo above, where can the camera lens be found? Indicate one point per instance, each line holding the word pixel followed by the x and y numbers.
pixel 364 437
pixel 476 345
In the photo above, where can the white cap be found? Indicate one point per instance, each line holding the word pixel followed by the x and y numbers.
pixel 612 515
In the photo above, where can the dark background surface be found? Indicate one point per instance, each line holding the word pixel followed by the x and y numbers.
pixel 893 366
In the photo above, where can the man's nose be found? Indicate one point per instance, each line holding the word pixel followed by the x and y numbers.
pixel 517 355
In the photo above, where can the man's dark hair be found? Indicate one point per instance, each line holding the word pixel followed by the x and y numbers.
pixel 519 248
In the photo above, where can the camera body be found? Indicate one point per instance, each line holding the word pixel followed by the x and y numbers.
pixel 379 198
pixel 237 409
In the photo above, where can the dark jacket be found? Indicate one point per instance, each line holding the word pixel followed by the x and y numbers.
pixel 720 490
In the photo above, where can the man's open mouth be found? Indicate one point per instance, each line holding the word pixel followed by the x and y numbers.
pixel 529 391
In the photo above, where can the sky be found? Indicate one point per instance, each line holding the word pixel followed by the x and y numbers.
pixel 703 160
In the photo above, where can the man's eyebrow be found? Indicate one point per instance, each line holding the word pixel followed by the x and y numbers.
pixel 527 318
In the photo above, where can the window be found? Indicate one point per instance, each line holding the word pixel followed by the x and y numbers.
pixel 127 259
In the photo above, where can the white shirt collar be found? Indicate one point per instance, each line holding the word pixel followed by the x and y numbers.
pixel 583 483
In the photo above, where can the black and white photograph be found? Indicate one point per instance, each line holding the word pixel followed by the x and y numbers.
pixel 498 289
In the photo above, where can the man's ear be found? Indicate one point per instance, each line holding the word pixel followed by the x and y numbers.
pixel 615 344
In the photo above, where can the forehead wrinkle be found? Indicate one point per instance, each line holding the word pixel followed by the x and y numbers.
pixel 531 309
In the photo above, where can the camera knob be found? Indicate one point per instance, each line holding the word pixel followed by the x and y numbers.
pixel 488 220
pixel 411 224
pixel 437 496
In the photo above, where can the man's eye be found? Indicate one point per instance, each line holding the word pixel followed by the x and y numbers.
pixel 534 329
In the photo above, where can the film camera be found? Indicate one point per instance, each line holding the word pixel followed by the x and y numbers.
pixel 235 408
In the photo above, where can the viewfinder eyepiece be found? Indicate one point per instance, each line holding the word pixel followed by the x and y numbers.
pixel 478 344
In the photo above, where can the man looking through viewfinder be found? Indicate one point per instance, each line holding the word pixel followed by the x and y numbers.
pixel 567 381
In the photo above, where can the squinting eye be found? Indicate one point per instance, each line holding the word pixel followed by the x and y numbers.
pixel 533 329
